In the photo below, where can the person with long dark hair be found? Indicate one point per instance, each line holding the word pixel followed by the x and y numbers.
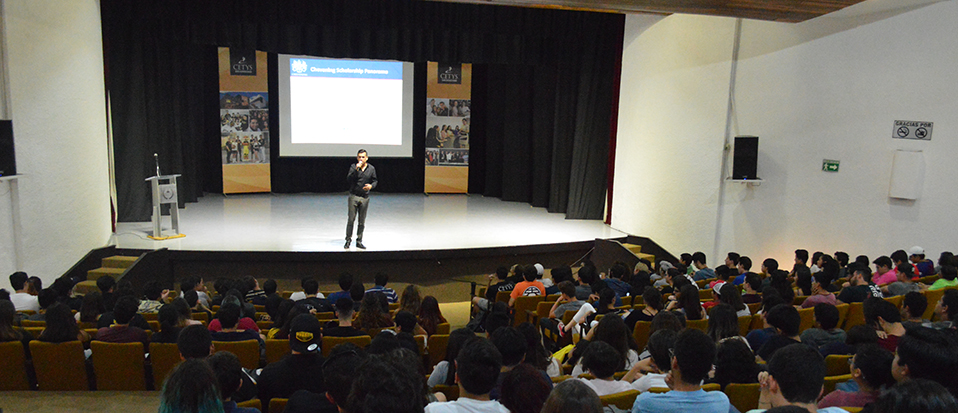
pixel 536 353
pixel 191 388
pixel 61 326
pixel 729 294
pixel 734 363
pixel 10 332
pixel 91 309
pixel 687 302
pixel 430 316
pixel 723 324
pixel 371 315
pixel 613 331
pixel 653 304
pixel 169 320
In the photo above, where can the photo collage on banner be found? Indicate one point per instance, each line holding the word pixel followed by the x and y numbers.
pixel 448 118
pixel 244 127
pixel 244 121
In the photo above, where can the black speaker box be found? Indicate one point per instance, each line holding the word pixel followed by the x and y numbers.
pixel 745 160
pixel 8 159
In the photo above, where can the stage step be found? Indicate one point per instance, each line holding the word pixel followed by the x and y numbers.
pixel 92 275
pixel 119 261
pixel 113 266
pixel 637 250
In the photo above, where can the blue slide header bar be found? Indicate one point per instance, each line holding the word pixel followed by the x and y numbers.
pixel 360 69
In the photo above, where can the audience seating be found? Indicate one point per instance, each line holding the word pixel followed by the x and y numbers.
pixel 896 300
pixel 852 409
pixel 437 349
pixel 154 325
pixel 744 322
pixel 831 381
pixel 753 307
pixel 13 363
pixel 542 311
pixel 163 358
pixel 837 365
pixel 33 323
pixel 758 322
pixel 855 317
pixel 150 316
pixel 808 318
pixel 503 296
pixel 842 313
pixel 326 315
pixel 443 328
pixel 560 379
pixel 252 403
pixel 481 292
pixel 743 396
pixel 638 300
pixel 705 295
pixel 641 333
pixel 59 366
pixel 626 301
pixel 259 308
pixel 277 405
pixel 247 351
pixel 933 297
pixel 87 326
pixel 330 342
pixel 276 350
pixel 522 305
pixel 264 326
pixel 623 400
pixel 702 324
pixel 450 391
pixel 553 297
pixel 201 316
pixel 118 366
pixel 799 299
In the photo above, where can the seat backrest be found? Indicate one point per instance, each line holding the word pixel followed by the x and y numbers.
pixel 437 349
pixel 247 351
pixel 622 400
pixel 896 300
pixel 118 366
pixel 831 381
pixel 253 403
pixel 627 300
pixel 276 350
pixel 150 316
pixel 799 299
pixel 933 297
pixel 450 391
pixel 443 328
pixel 277 405
pixel 522 305
pixel 808 318
pixel 744 323
pixel 837 364
pixel 855 317
pixel 59 366
pixel 842 313
pixel 753 307
pixel 743 396
pixel 13 365
pixel 163 358
pixel 641 333
pixel 758 322
pixel 33 323
pixel 201 316
pixel 702 324
pixel 331 342
pixel 503 296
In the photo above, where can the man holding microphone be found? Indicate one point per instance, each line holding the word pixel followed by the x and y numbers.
pixel 361 179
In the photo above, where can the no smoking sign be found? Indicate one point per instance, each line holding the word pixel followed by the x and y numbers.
pixel 909 129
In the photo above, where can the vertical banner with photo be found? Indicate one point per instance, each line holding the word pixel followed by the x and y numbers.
pixel 448 114
pixel 244 121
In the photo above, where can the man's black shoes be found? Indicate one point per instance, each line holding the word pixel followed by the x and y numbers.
pixel 359 244
pixel 349 241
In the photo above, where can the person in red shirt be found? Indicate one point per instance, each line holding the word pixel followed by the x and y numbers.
pixel 886 318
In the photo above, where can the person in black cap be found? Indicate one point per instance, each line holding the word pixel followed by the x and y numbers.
pixel 302 369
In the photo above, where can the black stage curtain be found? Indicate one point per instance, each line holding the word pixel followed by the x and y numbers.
pixel 544 84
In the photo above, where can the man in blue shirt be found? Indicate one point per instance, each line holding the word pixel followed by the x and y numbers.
pixel 796 375
pixel 702 271
pixel 692 359
pixel 381 280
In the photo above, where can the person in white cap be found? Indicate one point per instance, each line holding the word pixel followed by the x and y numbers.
pixel 540 271
pixel 925 267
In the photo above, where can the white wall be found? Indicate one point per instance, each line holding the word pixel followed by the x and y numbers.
pixel 54 65
pixel 827 88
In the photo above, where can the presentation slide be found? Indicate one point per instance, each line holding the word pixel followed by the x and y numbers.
pixel 334 107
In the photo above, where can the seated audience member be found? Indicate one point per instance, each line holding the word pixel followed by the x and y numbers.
pixel 121 331
pixel 91 309
pixel 730 265
pixel 925 353
pixel 652 371
pixel 193 301
pixel 730 295
pixel 611 330
pixel 779 281
pixel 559 274
pixel 904 283
pixel 858 288
pixel 169 320
pixel 339 372
pixel 21 299
pixel 344 326
pixel 742 269
pixel 614 280
pixel 803 283
pixel 871 370
pixel 299 295
pixel 498 317
pixel 925 267
pixel 287 311
pixel 191 387
pixel 536 354
pixel 572 396
pixel 444 372
pixel 406 323
pixel 345 283
pixel 410 299
pixel 528 287
pixel 311 302
pixel 243 323
pixel 786 322
pixel 196 284
pixel 752 288
pixel 949 278
pixel 512 347
pixel 46 298
pixel 820 294
pixel 885 317
pixel 884 271
pixel 154 296
pixel 61 326
pixel 269 292
pixel 915 396
pixel 478 365
pixel 652 299
pixel 8 330
pixel 566 302
pixel 688 304
pixel 106 284
pixel 826 329
pixel 757 338
pixel 702 271
pixel 723 324
pixel 796 375
pixel 714 289
pixel 694 354
pixel 913 306
pixel 734 363
pixel 586 315
pixel 302 369
pixel 947 309
pixel 430 316
pixel 371 315
pixel 184 312
pixel 194 342
pixel 801 260
pixel 386 383
pixel 602 361
pixel 855 337
pixel 228 318
pixel 254 295
pixel 380 280
pixel 503 284
pixel 524 390
pixel 229 378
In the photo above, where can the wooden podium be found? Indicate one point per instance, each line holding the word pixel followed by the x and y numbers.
pixel 164 192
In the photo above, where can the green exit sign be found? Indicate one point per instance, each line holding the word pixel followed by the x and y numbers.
pixel 830 165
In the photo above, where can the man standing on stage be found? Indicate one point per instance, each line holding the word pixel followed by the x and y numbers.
pixel 361 180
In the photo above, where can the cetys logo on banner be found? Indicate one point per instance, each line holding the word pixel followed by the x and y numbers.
pixel 450 73
pixel 242 62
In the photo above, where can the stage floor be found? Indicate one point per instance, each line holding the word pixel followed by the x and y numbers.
pixel 395 222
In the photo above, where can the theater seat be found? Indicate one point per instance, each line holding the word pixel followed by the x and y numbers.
pixel 13 365
pixel 855 317
pixel 436 349
pixel 641 333
pixel 163 358
pixel 450 391
pixel 59 366
pixel 118 366
pixel 330 342
pixel 623 400
pixel 277 405
pixel 247 351
pixel 837 365
pixel 276 350
pixel 743 396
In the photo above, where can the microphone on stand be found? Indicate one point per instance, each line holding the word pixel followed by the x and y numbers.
pixel 156 158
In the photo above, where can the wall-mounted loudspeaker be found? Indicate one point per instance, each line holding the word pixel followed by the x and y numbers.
pixel 745 158
pixel 8 159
